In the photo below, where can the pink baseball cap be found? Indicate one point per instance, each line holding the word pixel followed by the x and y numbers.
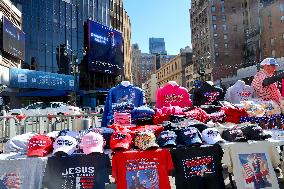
pixel 92 142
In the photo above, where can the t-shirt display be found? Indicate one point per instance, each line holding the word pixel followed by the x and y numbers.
pixel 121 94
pixel 239 92
pixel 142 169
pixel 172 95
pixel 16 173
pixel 252 164
pixel 208 94
pixel 198 168
pixel 77 172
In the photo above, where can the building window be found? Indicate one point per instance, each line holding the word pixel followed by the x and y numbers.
pixel 226 45
pixel 214 18
pixel 225 37
pixel 224 27
pixel 273 53
pixel 215 26
pixel 236 46
pixel 215 35
pixel 282 20
pixel 216 54
pixel 281 7
pixel 272 41
pixel 222 8
pixel 235 27
pixel 224 18
pixel 213 8
pixel 282 35
pixel 216 45
pixel 234 9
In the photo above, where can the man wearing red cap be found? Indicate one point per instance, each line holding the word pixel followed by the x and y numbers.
pixel 264 83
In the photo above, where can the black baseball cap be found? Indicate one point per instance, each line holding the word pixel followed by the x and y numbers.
pixel 234 135
pixel 254 132
pixel 167 138
pixel 190 136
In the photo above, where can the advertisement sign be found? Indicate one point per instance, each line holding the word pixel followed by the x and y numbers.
pixel 13 39
pixel 105 49
pixel 22 78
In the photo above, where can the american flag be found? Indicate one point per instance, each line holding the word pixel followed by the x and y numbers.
pixel 248 170
pixel 153 178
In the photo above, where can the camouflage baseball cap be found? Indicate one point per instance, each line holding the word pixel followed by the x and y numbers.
pixel 145 140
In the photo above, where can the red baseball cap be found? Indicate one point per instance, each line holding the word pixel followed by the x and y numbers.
pixel 120 140
pixel 39 145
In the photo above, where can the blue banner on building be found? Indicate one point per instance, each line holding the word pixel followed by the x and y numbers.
pixel 22 78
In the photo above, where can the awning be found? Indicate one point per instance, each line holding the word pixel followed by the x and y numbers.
pixel 43 93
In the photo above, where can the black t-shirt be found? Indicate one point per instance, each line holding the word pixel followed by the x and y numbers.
pixel 78 171
pixel 208 95
pixel 198 167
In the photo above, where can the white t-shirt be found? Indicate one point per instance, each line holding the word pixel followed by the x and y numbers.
pixel 252 164
pixel 239 92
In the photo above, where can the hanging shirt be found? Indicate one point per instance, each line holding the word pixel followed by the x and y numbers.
pixel 198 167
pixel 77 172
pixel 142 169
pixel 121 95
pixel 252 164
pixel 239 92
pixel 170 95
pixel 27 173
pixel 270 92
pixel 208 95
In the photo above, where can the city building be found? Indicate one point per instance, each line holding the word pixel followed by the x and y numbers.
pixel 12 50
pixel 127 47
pixel 150 88
pixel 157 46
pixel 136 58
pixel 143 65
pixel 272 30
pixel 251 48
pixel 189 76
pixel 163 59
pixel 57 41
pixel 217 38
pixel 174 70
pixel 146 67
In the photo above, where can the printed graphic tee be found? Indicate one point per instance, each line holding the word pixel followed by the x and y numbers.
pixel 252 164
pixel 198 167
pixel 170 95
pixel 21 173
pixel 77 172
pixel 239 92
pixel 122 95
pixel 208 95
pixel 142 169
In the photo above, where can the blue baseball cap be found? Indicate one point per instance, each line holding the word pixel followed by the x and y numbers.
pixel 269 61
pixel 190 136
pixel 167 138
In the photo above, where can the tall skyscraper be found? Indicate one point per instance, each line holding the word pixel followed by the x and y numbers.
pixel 157 46
pixel 143 65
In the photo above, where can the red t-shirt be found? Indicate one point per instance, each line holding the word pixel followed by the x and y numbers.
pixel 142 169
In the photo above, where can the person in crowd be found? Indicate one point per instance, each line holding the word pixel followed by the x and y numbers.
pixel 264 82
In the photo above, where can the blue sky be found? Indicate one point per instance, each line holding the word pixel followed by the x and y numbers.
pixel 167 19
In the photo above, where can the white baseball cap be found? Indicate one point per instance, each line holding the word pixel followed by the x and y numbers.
pixel 66 144
pixel 269 61
pixel 211 136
